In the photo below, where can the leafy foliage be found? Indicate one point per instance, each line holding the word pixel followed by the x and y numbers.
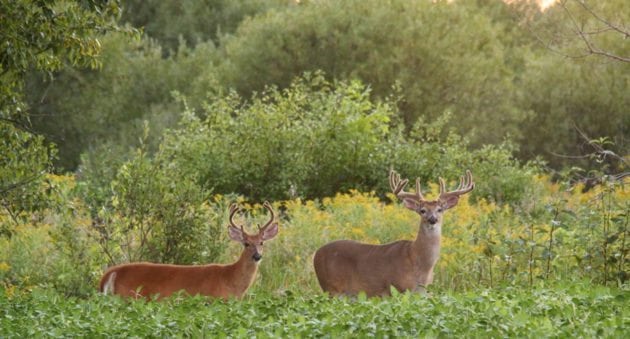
pixel 22 167
pixel 479 61
pixel 146 210
pixel 411 44
pixel 157 218
pixel 576 97
pixel 82 110
pixel 576 310
pixel 172 21
pixel 44 36
pixel 316 138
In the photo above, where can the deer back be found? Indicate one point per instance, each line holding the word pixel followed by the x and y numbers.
pixel 216 280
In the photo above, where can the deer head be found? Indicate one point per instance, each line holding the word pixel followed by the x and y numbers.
pixel 430 211
pixel 253 244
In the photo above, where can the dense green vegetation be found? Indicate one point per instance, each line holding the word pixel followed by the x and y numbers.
pixel 573 311
pixel 128 128
pixel 484 62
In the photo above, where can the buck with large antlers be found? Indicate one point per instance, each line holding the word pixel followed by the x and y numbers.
pixel 347 267
pixel 216 280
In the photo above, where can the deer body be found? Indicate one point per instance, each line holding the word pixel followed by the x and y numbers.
pixel 216 280
pixel 147 279
pixel 371 268
pixel 347 267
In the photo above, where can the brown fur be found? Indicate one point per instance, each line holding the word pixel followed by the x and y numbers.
pixel 347 267
pixel 217 280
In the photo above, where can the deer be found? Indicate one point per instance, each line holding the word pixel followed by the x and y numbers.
pixel 347 267
pixel 224 281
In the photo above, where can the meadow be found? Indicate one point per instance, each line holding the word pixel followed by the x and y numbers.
pixel 128 128
pixel 557 269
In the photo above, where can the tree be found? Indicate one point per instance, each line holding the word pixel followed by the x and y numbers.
pixel 583 83
pixel 44 36
pixel 171 22
pixel 579 28
pixel 445 57
pixel 81 108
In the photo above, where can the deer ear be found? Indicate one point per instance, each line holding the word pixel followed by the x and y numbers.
pixel 236 234
pixel 411 204
pixel 450 202
pixel 270 231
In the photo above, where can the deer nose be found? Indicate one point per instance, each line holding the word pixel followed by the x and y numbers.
pixel 432 220
pixel 257 256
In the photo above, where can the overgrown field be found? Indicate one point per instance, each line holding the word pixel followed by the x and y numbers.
pixel 577 310
pixel 554 234
pixel 551 263
pixel 120 146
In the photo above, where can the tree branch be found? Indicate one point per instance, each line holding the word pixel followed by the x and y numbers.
pixel 592 49
pixel 6 189
pixel 623 31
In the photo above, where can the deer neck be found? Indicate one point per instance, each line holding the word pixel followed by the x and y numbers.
pixel 244 271
pixel 426 247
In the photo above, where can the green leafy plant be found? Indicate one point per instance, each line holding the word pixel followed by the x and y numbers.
pixel 158 214
pixel 575 310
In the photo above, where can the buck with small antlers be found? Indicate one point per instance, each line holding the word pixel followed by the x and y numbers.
pixel 347 267
pixel 216 280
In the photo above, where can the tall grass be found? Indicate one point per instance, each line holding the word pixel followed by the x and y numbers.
pixel 563 235
pixel 556 234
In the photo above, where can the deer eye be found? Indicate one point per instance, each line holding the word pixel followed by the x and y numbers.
pixel 423 211
pixel 246 244
pixel 261 243
pixel 439 209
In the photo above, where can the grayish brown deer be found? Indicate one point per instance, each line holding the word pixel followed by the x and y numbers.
pixel 347 267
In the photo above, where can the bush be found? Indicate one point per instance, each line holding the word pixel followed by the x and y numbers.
pixel 57 247
pixel 317 138
pixel 158 215
pixel 191 21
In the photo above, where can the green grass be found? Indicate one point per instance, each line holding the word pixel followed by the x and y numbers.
pixel 577 310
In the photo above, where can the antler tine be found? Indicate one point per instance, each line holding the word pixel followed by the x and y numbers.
pixel 462 182
pixel 466 184
pixel 419 189
pixel 398 186
pixel 233 209
pixel 267 205
pixel 395 183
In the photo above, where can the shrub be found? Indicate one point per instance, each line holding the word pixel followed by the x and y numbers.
pixel 57 247
pixel 317 138
pixel 158 215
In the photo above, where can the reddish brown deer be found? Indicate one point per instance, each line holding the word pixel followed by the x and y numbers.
pixel 216 280
pixel 347 267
